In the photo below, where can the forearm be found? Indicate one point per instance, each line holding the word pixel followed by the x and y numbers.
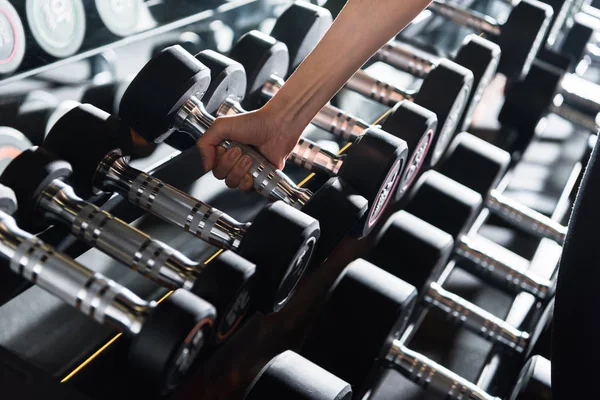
pixel 361 28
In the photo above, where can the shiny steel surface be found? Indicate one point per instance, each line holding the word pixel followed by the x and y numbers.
pixel 119 240
pixel 483 262
pixel 406 57
pixel 382 92
pixel 465 17
pixel 309 155
pixel 269 182
pixel 96 296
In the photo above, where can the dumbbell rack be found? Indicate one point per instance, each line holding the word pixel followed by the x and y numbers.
pixel 228 369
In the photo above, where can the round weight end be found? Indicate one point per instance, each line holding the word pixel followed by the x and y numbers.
pixel 12 143
pixel 280 242
pixel 292 377
pixel 448 104
pixel 12 49
pixel 28 175
pixel 578 36
pixel 262 57
pixel 172 337
pixel 8 200
pixel 534 382
pixel 301 27
pixel 173 76
pixel 227 282
pixel 522 36
pixel 411 249
pixel 481 57
pixel 373 165
pixel 122 18
pixel 83 137
pixel 367 309
pixel 417 126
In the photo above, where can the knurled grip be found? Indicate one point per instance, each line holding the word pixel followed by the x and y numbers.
pixel 382 92
pixel 458 15
pixel 340 123
pixel 269 182
pixel 406 58
pixel 307 154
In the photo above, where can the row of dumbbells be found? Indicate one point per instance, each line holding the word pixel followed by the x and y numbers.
pixel 47 194
pixel 50 30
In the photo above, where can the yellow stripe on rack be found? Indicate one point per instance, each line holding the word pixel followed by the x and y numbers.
pixel 111 341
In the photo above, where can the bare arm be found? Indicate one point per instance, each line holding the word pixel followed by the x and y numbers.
pixel 361 28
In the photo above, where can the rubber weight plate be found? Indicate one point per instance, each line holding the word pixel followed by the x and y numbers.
pixel 12 47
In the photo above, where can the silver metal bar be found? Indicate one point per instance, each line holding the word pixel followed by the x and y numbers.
pixel 309 155
pixel 406 58
pixel 382 92
pixel 462 16
pixel 94 295
pixel 130 246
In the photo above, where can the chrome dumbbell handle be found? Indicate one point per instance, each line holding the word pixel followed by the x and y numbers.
pixel 462 16
pixel 309 155
pixel 269 182
pixel 128 245
pixel 525 218
pixel 573 115
pixel 481 261
pixel 94 295
pixel 382 92
pixel 432 376
pixel 406 58
pixel 169 203
pixel 475 318
pixel 580 94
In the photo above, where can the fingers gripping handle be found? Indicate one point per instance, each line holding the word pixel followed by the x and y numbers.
pixel 268 181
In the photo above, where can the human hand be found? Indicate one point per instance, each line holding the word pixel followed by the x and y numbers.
pixel 271 135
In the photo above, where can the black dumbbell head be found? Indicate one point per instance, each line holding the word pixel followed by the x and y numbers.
pixel 481 57
pixel 262 57
pixel 172 336
pixel 301 27
pixel 522 36
pixel 444 203
pixel 475 163
pixel 534 382
pixel 106 96
pixel 527 101
pixel 280 242
pixel 416 125
pixel 411 249
pixel 28 175
pixel 446 92
pixel 159 90
pixel 373 165
pixel 292 377
pixel 84 136
pixel 367 309
pixel 227 282
pixel 346 218
pixel 575 43
pixel 190 41
pixel 8 200
pixel 12 143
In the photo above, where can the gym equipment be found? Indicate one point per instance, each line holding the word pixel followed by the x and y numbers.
pixel 106 95
pixel 549 89
pixel 426 252
pixel 265 60
pixel 166 337
pixel 56 28
pixel 356 338
pixel 574 337
pixel 177 78
pixel 580 41
pixel 292 377
pixel 12 48
pixel 453 208
pixel 375 154
pixel 280 241
pixel 39 182
pixel 478 55
pixel 12 143
pixel 468 152
pixel 108 19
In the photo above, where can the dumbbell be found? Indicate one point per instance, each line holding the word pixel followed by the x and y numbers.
pixel 478 55
pixel 166 11
pixel 39 181
pixel 35 114
pixel 12 48
pixel 426 252
pixel 112 19
pixel 579 40
pixel 453 208
pixel 166 337
pixel 12 143
pixel 549 89
pixel 266 60
pixel 356 338
pixel 469 153
pixel 179 80
pixel 292 377
pixel 372 165
pixel 104 168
